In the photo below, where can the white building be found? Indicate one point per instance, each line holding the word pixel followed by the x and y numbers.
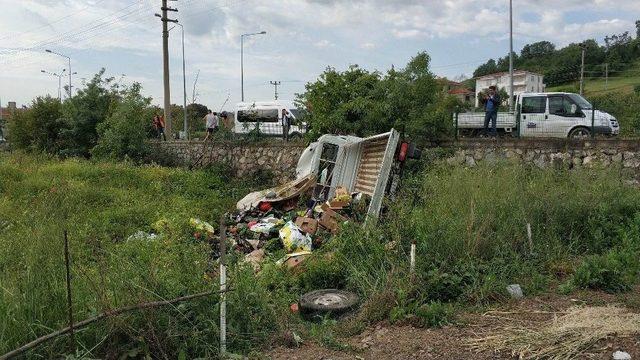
pixel 523 82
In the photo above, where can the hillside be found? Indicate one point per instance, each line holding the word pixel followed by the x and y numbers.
pixel 622 82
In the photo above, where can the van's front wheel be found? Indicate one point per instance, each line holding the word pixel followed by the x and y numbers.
pixel 580 133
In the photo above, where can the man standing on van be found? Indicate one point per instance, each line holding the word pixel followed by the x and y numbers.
pixel 491 105
pixel 212 121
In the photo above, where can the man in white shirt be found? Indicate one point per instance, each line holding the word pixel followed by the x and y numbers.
pixel 212 121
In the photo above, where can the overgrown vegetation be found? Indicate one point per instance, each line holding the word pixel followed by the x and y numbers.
pixel 360 102
pixel 469 226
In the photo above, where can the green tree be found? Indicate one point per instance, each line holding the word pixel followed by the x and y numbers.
pixel 360 102
pixel 124 133
pixel 85 111
pixel 39 127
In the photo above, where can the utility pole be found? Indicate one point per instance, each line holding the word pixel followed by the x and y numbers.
pixel 276 84
pixel 511 55
pixel 584 48
pixel 606 76
pixel 70 73
pixel 165 61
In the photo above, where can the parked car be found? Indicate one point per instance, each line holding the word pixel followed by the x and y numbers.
pixel 266 116
pixel 555 115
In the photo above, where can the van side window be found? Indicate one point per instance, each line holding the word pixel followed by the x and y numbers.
pixel 534 105
pixel 560 105
pixel 270 115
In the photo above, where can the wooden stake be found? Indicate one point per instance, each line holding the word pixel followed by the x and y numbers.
pixel 412 264
pixel 69 301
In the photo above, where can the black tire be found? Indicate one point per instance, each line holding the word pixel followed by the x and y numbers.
pixel 580 133
pixel 327 301
pixel 295 136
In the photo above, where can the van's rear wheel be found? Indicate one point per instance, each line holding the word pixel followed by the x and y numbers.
pixel 580 133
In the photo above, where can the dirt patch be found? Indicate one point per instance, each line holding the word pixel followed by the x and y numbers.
pixel 385 341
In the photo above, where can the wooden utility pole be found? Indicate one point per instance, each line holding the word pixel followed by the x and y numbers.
pixel 165 61
pixel 276 84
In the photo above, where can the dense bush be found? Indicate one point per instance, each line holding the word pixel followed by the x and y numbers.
pixel 124 133
pixel 40 127
pixel 361 102
pixel 614 271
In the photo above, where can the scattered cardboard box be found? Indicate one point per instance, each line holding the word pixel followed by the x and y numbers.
pixel 308 225
pixel 330 219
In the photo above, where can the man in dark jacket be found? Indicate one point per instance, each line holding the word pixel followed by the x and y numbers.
pixel 491 105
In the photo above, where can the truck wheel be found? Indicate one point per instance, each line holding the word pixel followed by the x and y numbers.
pixel 579 133
pixel 327 301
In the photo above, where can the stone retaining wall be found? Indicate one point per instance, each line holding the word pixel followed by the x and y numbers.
pixel 281 158
pixel 549 153
pixel 245 159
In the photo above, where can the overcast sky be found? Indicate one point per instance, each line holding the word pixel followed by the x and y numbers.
pixel 303 38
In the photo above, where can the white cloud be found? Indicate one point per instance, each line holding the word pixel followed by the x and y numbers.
pixel 368 46
pixel 323 44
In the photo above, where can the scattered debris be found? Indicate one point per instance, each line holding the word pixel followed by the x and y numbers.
pixel 141 235
pixel 294 259
pixel 294 239
pixel 621 355
pixel 327 301
pixel 255 258
pixel 515 291
pixel 201 225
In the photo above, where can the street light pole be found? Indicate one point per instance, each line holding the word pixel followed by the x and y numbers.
pixel 511 103
pixel 242 60
pixel 59 76
pixel 184 85
pixel 69 59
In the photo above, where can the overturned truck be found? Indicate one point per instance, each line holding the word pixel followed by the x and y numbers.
pixel 363 167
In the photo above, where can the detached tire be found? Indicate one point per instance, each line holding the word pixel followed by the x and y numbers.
pixel 327 301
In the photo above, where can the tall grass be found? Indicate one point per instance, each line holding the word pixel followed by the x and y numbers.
pixel 101 205
pixel 469 226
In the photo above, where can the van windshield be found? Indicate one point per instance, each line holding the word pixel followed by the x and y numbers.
pixel 580 101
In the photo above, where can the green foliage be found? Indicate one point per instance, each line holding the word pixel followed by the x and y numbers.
pixel 88 108
pixel 38 128
pixel 124 133
pixel 614 271
pixel 624 106
pixel 360 102
pixel 435 314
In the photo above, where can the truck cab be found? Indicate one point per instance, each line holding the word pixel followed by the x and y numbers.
pixel 562 115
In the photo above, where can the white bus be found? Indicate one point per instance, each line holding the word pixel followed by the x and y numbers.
pixel 266 116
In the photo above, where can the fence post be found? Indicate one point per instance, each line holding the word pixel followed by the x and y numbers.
pixel 223 288
pixel 593 120
pixel 518 125
pixel 456 116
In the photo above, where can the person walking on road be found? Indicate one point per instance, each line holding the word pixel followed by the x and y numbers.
pixel 491 105
pixel 212 121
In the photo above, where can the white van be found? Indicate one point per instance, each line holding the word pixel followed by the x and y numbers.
pixel 266 116
pixel 554 115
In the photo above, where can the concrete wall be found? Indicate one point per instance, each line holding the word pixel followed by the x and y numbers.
pixel 245 159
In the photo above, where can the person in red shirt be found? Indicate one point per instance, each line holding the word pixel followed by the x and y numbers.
pixel 159 125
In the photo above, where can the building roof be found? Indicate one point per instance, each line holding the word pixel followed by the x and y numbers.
pixel 461 92
pixel 498 74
